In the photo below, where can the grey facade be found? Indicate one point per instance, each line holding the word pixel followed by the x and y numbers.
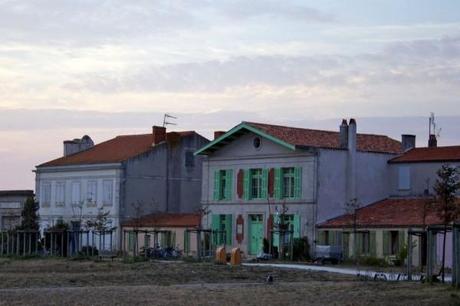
pixel 11 204
pixel 165 179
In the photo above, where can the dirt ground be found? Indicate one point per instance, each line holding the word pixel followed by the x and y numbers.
pixel 70 282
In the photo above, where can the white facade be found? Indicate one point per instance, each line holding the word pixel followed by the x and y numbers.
pixel 77 193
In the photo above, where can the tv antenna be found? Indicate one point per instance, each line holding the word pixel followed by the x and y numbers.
pixel 432 127
pixel 166 117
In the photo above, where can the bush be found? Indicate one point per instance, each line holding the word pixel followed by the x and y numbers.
pixel 373 261
pixel 301 249
pixel 88 250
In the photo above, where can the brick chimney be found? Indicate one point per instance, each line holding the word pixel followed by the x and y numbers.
pixel 343 135
pixel 432 141
pixel 159 134
pixel 351 160
pixel 407 142
pixel 217 134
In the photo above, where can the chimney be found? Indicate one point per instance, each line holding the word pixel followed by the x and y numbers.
pixel 77 145
pixel 351 161
pixel 343 135
pixel 217 134
pixel 407 142
pixel 159 134
pixel 432 141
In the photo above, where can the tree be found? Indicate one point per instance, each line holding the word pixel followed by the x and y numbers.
pixel 29 216
pixel 101 222
pixel 446 186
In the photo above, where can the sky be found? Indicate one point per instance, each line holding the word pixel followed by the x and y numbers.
pixel 105 68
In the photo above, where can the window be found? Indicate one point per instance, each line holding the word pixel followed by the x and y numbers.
pixel 223 184
pixel 91 192
pixel 10 222
pixel 189 159
pixel 107 199
pixel 394 242
pixel 60 193
pixel 288 182
pixel 404 178
pixel 76 193
pixel 256 142
pixel 222 227
pixel 364 242
pixel 146 241
pixel 46 195
pixel 256 184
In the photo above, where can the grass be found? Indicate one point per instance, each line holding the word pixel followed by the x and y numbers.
pixel 66 282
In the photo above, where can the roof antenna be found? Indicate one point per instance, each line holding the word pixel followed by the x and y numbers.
pixel 432 127
pixel 165 120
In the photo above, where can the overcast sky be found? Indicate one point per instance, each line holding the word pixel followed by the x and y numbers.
pixel 103 68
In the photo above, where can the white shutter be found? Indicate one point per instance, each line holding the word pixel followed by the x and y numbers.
pixel 76 193
pixel 108 192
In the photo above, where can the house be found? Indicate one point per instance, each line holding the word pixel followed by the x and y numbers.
pixel 128 176
pixel 11 204
pixel 162 229
pixel 257 172
pixel 382 227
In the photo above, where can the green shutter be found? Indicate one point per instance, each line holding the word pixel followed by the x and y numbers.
pixel 246 184
pixel 228 229
pixel 173 243
pixel 359 243
pixel 402 240
pixel 372 244
pixel 229 184
pixel 186 241
pixel 216 194
pixel 332 238
pixel 322 237
pixel 278 182
pixel 346 245
pixel 296 226
pixel 265 184
pixel 386 243
pixel 298 182
pixel 215 227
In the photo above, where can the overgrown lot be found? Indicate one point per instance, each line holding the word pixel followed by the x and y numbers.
pixel 70 282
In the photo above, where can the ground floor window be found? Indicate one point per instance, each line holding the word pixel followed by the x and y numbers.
pixel 222 227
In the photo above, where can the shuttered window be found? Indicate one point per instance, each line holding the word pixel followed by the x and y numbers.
pixel 288 183
pixel 223 185
pixel 222 227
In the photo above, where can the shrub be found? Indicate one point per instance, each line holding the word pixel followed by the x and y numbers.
pixel 301 249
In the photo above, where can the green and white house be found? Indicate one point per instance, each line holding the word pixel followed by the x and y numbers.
pixel 255 172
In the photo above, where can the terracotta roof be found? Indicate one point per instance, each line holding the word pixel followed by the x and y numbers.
pixel 396 212
pixel 27 193
pixel 165 220
pixel 328 139
pixel 114 150
pixel 437 154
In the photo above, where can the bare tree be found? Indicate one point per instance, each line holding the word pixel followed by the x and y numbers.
pixel 446 186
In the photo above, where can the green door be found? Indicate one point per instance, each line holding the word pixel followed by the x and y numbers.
pixel 256 234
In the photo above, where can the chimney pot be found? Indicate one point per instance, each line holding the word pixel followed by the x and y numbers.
pixel 343 135
pixel 217 134
pixel 158 134
pixel 432 141
pixel 407 142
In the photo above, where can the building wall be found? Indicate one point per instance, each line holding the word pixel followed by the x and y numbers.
pixel 422 176
pixel 371 174
pixel 85 210
pixel 10 210
pixel 146 176
pixel 179 233
pixel 241 154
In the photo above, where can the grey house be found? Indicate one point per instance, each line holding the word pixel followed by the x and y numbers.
pixel 384 225
pixel 255 171
pixel 11 204
pixel 129 176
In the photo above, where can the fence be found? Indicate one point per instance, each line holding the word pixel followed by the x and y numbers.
pixel 62 243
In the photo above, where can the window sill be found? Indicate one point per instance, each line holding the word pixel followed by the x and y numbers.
pixel 91 204
pixel 45 205
pixel 60 204
pixel 107 205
